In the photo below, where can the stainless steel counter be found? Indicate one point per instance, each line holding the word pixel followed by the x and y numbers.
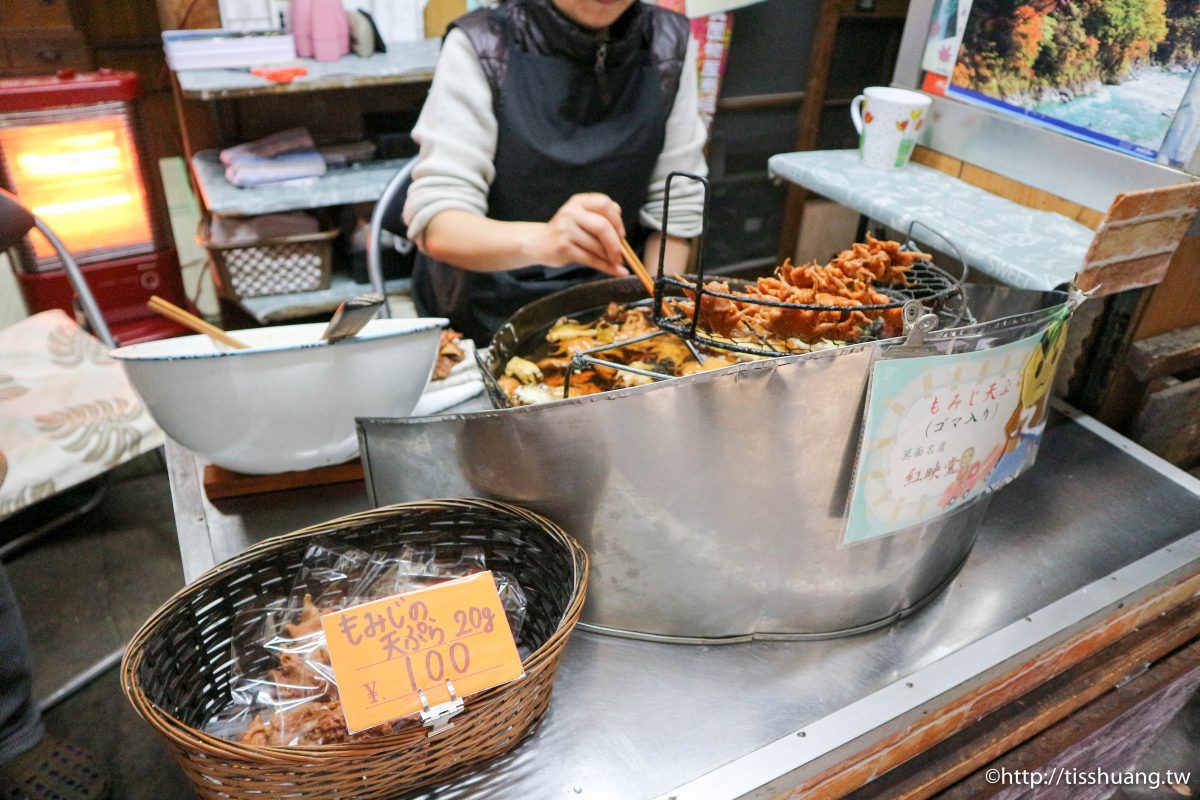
pixel 1097 523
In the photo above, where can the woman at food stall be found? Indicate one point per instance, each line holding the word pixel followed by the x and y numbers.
pixel 547 136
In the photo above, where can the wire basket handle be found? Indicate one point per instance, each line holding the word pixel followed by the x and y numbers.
pixel 957 253
pixel 662 246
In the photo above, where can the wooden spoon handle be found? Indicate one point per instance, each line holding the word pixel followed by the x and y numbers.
pixel 188 320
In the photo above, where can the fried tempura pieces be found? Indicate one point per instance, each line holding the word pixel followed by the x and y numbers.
pixel 449 354
pixel 846 283
pixel 308 709
pixel 664 354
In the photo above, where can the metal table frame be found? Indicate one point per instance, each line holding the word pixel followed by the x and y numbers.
pixel 1063 568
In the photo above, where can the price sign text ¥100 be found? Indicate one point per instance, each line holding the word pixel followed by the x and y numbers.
pixel 385 651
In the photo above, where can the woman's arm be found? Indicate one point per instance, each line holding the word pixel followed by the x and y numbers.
pixel 446 208
pixel 678 254
pixel 683 150
pixel 457 133
pixel 585 230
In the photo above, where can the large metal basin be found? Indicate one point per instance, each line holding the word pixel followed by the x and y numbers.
pixel 712 506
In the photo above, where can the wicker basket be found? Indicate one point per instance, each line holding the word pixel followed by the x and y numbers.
pixel 176 668
pixel 281 265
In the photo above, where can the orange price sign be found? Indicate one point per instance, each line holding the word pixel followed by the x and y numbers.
pixel 386 652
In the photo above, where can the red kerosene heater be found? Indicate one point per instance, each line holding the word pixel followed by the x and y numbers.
pixel 71 149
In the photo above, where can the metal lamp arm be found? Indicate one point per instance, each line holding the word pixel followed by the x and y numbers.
pixel 75 275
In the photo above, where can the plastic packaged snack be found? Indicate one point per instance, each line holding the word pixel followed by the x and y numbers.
pixel 282 688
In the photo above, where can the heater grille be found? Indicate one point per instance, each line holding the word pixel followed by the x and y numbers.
pixel 81 168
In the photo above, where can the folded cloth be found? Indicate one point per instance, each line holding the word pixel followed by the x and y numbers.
pixel 253 171
pixel 276 144
pixel 362 33
pixel 463 383
pixel 235 230
pixel 437 400
pixel 339 155
pixel 462 373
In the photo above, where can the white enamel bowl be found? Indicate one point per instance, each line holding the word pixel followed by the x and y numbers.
pixel 289 401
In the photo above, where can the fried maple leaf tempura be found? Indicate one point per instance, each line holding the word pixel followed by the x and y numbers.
pixel 846 283
pixel 845 287
pixel 308 707
pixel 449 354
pixel 530 382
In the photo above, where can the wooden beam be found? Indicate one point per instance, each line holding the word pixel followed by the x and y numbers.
pixel 958 757
pixel 1165 354
pixel 1090 723
pixel 882 10
pixel 1030 197
pixel 935 727
pixel 220 483
pixel 1169 423
pixel 808 123
pixel 175 14
pixel 1173 303
pixel 939 161
pixel 1009 189
pixel 758 102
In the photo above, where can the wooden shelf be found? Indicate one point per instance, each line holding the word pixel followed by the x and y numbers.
pixel 406 62
pixel 358 183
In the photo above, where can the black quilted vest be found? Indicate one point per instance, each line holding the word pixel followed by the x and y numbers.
pixel 575 113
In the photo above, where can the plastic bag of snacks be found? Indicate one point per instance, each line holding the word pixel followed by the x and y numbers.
pixel 283 691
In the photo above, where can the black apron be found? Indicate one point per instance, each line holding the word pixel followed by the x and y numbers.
pixel 563 130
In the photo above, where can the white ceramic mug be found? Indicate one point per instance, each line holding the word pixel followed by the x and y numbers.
pixel 888 121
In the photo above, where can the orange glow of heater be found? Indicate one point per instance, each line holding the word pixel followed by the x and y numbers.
pixel 83 178
pixel 75 149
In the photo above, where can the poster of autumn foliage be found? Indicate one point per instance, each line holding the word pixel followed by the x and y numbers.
pixel 1117 69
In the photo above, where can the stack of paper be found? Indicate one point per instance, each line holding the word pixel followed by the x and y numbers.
pixel 217 48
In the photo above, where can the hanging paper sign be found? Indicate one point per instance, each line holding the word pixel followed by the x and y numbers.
pixel 388 652
pixel 945 35
pixel 941 430
pixel 712 34
pixel 712 30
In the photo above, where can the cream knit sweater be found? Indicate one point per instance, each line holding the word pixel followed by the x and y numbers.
pixel 457 133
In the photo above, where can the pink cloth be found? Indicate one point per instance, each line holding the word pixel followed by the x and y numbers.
pixel 300 15
pixel 330 30
pixel 290 141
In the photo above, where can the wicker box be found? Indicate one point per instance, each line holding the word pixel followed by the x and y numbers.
pixel 282 265
pixel 176 670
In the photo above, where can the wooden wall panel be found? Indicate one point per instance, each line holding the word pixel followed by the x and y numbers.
pixel 1173 303
pixel 175 14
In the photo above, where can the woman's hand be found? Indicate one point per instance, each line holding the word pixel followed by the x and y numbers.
pixel 587 229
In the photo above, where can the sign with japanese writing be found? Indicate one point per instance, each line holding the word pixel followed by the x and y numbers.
pixel 387 651
pixel 941 430
pixel 712 28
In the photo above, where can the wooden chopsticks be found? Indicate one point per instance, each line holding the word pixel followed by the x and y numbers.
pixel 638 267
pixel 177 314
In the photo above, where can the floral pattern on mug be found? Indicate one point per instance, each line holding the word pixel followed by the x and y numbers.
pixel 898 115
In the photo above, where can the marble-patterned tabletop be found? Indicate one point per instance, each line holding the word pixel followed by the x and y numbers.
pixel 404 62
pixel 1016 245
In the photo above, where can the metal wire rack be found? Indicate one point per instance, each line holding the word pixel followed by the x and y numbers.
pixel 938 290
